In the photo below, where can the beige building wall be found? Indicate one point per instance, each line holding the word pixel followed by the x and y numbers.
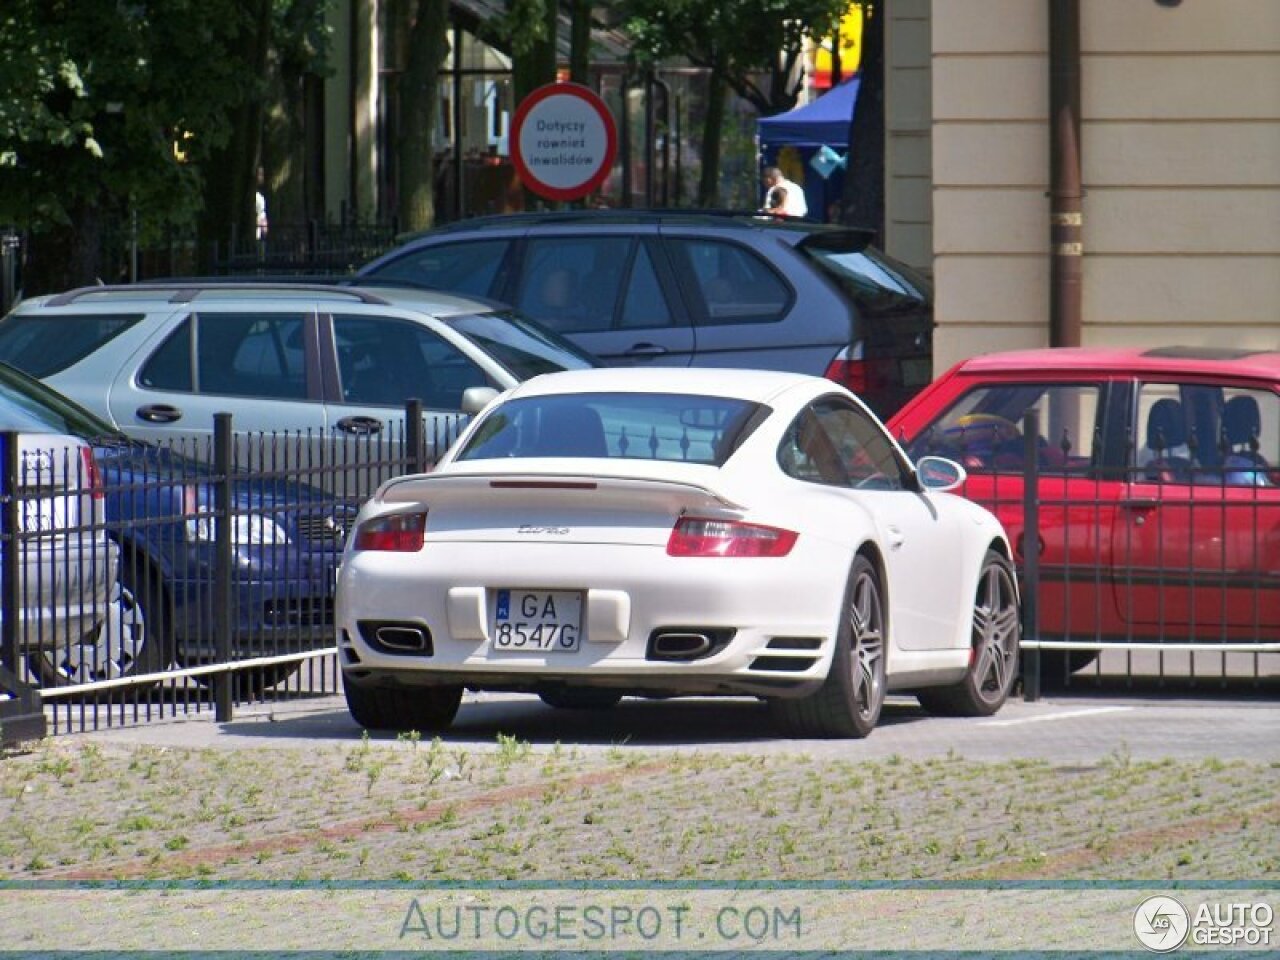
pixel 908 134
pixel 1180 150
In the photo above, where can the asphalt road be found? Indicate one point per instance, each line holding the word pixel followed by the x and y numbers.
pixel 1061 729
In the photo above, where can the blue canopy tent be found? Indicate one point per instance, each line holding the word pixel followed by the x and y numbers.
pixel 823 123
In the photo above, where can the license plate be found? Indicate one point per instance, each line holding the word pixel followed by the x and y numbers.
pixel 537 621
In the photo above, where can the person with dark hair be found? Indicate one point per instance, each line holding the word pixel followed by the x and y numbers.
pixel 782 197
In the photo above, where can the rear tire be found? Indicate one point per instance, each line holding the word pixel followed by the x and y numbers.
pixel 580 698
pixel 993 658
pixel 402 709
pixel 849 701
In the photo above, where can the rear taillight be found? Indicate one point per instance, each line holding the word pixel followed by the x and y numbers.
pixel 702 537
pixel 399 532
pixel 851 374
pixel 852 370
pixel 91 475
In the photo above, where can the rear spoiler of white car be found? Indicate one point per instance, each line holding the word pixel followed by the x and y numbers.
pixel 545 488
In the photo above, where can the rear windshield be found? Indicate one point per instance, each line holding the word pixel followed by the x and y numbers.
pixel 524 347
pixel 636 426
pixel 876 283
pixel 45 345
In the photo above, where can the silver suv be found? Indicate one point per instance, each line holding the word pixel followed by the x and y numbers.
pixel 159 360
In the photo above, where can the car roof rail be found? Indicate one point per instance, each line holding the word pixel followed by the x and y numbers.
pixel 184 291
pixel 611 215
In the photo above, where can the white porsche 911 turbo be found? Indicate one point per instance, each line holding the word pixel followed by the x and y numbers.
pixel 661 532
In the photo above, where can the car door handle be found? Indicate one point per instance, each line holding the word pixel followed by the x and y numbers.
pixel 1140 503
pixel 159 413
pixel 895 537
pixel 360 426
pixel 646 350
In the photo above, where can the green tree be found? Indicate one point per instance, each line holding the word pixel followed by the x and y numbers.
pixel 737 41
pixel 112 110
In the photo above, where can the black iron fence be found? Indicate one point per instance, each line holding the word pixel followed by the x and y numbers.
pixel 157 581
pixel 1153 577
pixel 313 247
pixel 148 581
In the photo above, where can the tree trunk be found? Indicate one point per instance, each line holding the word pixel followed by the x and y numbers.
pixel 534 67
pixel 579 40
pixel 287 140
pixel 712 131
pixel 864 178
pixel 67 256
pixel 230 173
pixel 419 96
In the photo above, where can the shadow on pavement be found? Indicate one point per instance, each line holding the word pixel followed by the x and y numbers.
pixel 676 722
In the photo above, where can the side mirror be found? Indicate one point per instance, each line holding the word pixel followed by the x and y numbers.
pixel 940 474
pixel 475 399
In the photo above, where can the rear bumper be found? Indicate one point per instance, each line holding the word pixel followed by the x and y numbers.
pixel 782 614
pixel 65 588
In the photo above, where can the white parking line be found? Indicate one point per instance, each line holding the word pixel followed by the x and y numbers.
pixel 1064 715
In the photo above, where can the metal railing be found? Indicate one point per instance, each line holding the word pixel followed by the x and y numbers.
pixel 217 584
pixel 191 576
pixel 1147 590
pixel 313 247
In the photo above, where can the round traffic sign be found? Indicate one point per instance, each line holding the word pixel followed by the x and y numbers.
pixel 563 141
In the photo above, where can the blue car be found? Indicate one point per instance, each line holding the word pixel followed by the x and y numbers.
pixel 160 509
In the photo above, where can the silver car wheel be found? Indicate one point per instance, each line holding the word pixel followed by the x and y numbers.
pixel 111 651
pixel 996 633
pixel 866 616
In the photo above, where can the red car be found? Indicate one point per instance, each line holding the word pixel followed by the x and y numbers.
pixel 1159 483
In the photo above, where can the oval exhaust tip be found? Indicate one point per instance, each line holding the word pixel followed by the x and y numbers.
pixel 402 638
pixel 688 645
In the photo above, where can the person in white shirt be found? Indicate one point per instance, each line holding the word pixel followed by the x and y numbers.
pixel 782 197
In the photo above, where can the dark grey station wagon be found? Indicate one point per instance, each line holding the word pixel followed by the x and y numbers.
pixel 681 288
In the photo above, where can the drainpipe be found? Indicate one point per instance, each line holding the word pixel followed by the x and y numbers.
pixel 1065 211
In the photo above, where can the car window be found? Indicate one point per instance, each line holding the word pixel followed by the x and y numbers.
pixel 1206 434
pixel 524 347
pixel 983 429
pixel 45 345
pixel 875 283
pixel 733 284
pixel 237 354
pixel 571 284
pixel 835 443
pixel 475 266
pixel 643 426
pixel 169 367
pixel 645 305
pixel 385 361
